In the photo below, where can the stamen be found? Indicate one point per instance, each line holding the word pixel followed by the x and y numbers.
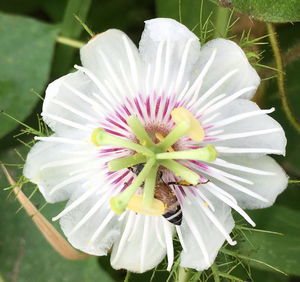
pixel 100 137
pixel 136 205
pixel 195 131
pixel 125 162
pixel 181 171
pixel 207 153
pixel 139 131
pixel 119 203
pixel 149 187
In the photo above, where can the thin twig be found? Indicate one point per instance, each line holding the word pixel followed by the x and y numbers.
pixel 53 237
pixel 280 77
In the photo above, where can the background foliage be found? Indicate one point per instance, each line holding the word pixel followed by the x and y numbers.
pixel 32 54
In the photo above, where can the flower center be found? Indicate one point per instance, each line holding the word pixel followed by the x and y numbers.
pixel 154 155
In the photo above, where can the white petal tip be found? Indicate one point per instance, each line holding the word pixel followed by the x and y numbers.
pixel 264 200
pixel 55 218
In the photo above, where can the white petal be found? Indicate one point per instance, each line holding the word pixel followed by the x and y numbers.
pixel 69 104
pixel 138 248
pixel 268 186
pixel 231 65
pixel 91 216
pixel 201 238
pixel 170 50
pixel 114 61
pixel 272 141
pixel 50 165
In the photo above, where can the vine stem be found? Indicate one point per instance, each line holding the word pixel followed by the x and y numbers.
pixel 221 22
pixel 70 28
pixel 69 42
pixel 127 277
pixel 184 274
pixel 280 77
pixel 215 272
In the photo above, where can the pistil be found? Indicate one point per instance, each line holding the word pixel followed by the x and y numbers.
pixel 154 156
pixel 139 131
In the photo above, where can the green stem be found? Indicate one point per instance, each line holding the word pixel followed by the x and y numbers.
pixel 69 42
pixel 125 162
pixel 119 203
pixel 149 187
pixel 215 272
pixel 181 171
pixel 280 77
pixel 208 153
pixel 184 274
pixel 179 11
pixel 139 131
pixel 72 29
pixel 233 254
pixel 128 274
pixel 178 131
pixel 221 22
pixel 231 277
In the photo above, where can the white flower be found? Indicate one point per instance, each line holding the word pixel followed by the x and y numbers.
pixel 107 110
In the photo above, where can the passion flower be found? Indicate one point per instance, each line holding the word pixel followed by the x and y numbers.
pixel 155 141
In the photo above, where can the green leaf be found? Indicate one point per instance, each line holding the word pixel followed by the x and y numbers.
pixel 26 48
pixel 281 252
pixel 266 10
pixel 25 255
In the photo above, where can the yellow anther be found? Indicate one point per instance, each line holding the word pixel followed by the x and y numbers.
pixel 196 131
pixel 160 137
pixel 136 205
pixel 205 204
pixel 184 182
pixel 94 136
